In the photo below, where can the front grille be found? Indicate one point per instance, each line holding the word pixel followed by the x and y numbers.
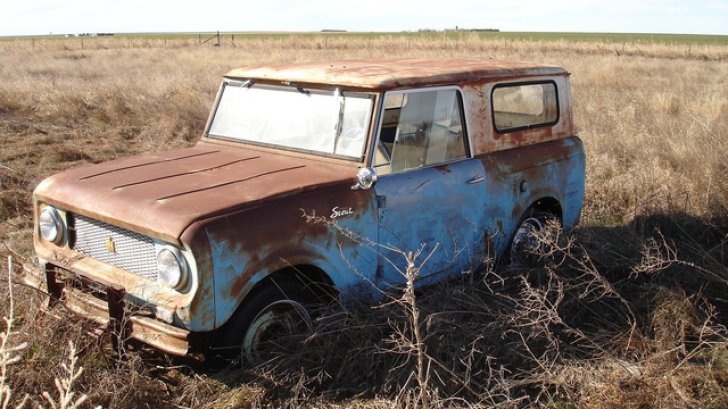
pixel 114 245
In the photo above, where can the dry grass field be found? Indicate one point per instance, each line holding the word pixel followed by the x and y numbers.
pixel 631 312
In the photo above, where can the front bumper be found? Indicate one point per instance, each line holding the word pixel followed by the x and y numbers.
pixel 107 306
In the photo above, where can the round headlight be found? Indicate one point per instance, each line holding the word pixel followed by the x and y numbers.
pixel 51 225
pixel 170 268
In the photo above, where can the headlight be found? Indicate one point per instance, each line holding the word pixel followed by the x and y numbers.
pixel 51 225
pixel 171 268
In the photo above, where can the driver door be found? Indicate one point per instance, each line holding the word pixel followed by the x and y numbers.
pixel 431 194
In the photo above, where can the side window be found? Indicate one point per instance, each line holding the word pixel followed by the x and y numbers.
pixel 420 128
pixel 522 106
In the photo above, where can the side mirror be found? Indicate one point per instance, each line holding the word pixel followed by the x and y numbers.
pixel 365 179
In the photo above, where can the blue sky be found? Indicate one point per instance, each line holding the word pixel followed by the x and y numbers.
pixel 37 17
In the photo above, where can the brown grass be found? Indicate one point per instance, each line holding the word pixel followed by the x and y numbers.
pixel 630 312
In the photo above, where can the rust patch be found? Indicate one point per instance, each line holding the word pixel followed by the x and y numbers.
pixel 444 169
pixel 161 194
pixel 384 74
pixel 276 236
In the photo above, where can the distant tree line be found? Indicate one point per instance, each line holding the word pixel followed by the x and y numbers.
pixel 430 30
pixel 89 35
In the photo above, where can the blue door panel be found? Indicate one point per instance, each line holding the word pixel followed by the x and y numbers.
pixel 435 210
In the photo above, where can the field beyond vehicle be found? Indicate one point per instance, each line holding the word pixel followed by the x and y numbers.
pixel 212 247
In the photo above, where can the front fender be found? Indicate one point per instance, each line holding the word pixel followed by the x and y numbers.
pixel 250 245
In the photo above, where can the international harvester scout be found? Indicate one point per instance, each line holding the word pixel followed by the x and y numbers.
pixel 308 182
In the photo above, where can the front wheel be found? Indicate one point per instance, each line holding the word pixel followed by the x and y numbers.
pixel 268 323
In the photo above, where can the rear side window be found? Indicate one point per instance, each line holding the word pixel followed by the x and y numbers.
pixel 522 106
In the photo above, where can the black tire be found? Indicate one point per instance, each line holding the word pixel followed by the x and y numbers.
pixel 528 248
pixel 267 322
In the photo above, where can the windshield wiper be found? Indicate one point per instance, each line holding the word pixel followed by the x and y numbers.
pixel 246 84
pixel 298 87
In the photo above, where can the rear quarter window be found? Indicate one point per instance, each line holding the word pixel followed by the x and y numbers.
pixel 523 106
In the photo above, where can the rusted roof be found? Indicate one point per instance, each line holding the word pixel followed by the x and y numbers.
pixel 382 74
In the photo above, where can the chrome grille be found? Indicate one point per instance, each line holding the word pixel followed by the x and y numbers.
pixel 132 251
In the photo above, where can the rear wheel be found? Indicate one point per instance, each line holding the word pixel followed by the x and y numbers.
pixel 529 244
pixel 268 323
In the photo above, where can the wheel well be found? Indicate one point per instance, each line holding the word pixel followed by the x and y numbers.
pixel 317 281
pixel 547 205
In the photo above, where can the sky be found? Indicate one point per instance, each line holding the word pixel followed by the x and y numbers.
pixel 42 17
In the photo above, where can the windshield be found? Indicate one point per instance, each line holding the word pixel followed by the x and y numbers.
pixel 325 123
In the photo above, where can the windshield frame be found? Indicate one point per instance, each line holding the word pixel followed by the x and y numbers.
pixel 366 99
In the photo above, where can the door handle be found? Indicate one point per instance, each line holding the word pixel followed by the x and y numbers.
pixel 476 179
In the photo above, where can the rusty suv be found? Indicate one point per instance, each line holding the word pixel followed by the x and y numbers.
pixel 312 180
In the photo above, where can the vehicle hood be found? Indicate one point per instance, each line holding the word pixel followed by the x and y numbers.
pixel 161 194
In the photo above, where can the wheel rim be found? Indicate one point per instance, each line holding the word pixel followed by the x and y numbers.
pixel 527 246
pixel 270 330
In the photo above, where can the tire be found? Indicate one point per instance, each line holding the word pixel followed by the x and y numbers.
pixel 267 323
pixel 528 247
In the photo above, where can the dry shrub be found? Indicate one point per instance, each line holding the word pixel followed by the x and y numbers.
pixel 564 334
